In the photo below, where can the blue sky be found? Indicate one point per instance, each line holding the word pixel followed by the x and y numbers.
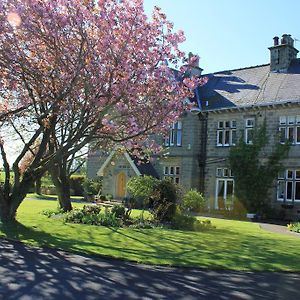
pixel 229 34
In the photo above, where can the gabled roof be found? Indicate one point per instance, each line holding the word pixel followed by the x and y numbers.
pixel 252 86
pixel 143 168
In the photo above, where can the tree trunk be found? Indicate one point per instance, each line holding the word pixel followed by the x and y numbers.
pixel 64 197
pixel 9 203
pixel 7 212
pixel 62 186
pixel 38 186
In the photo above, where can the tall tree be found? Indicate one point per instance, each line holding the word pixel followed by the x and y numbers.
pixel 84 69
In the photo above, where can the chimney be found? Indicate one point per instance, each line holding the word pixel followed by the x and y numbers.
pixel 276 40
pixel 193 65
pixel 282 54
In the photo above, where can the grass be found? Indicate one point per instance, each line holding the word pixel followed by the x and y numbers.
pixel 232 245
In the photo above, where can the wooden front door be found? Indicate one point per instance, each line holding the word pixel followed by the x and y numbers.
pixel 121 185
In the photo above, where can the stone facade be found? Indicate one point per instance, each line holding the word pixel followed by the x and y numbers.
pixel 217 155
pixel 232 103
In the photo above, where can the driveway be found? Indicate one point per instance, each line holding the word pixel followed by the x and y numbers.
pixel 33 273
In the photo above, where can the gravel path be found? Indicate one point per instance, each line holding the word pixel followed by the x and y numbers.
pixel 278 229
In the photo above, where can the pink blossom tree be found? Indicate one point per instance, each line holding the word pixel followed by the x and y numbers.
pixel 83 69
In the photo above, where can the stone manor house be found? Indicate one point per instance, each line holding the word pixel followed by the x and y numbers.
pixel 231 104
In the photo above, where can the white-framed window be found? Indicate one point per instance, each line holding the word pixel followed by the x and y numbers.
pixel 172 173
pixel 226 133
pixel 289 129
pixel 224 196
pixel 224 172
pixel 249 130
pixel 288 185
pixel 175 135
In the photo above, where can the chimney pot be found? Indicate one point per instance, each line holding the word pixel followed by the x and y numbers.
pixel 276 40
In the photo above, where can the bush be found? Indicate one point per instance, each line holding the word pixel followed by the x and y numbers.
pixel 185 222
pixel 118 210
pixel 91 209
pixel 193 201
pixel 165 197
pixel 91 186
pixel 294 227
pixel 76 185
pixel 141 188
pixel 52 212
pixel 92 215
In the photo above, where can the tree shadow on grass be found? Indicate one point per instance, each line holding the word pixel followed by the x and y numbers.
pixel 33 273
pixel 217 249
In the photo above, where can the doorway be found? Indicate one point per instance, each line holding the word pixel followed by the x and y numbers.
pixel 121 185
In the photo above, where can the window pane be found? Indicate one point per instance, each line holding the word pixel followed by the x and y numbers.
pixel 179 138
pixel 220 137
pixel 227 137
pixel 289 174
pixel 289 190
pixel 297 174
pixel 219 172
pixel 166 170
pixel 249 122
pixel 298 120
pixel 291 134
pixel 229 195
pixel 227 124
pixel 282 134
pixel 233 137
pixel 177 170
pixel 177 180
pixel 282 120
pixel 179 125
pixel 298 135
pixel 230 173
pixel 291 120
pixel 249 136
pixel 220 124
pixel 172 137
pixel 220 194
pixel 225 172
pixel 297 190
pixel 233 124
pixel 171 170
pixel 280 190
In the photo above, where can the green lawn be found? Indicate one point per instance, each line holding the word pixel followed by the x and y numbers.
pixel 232 245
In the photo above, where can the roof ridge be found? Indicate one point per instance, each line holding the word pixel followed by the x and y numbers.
pixel 239 69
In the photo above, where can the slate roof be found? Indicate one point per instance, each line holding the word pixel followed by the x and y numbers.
pixel 250 87
pixel 145 168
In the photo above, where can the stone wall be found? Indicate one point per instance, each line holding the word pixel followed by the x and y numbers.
pixel 217 157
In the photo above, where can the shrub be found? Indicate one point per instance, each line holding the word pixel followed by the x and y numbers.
pixel 91 209
pixel 141 188
pixel 185 222
pixel 294 227
pixel 118 210
pixel 193 201
pixel 92 215
pixel 91 186
pixel 109 197
pixel 52 212
pixel 165 197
